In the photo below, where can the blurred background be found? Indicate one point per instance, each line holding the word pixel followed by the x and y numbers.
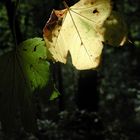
pixel 102 104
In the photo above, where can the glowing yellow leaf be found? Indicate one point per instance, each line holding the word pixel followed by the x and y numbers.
pixel 76 30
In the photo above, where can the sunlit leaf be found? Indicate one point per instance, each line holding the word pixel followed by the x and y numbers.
pixel 32 57
pixel 76 29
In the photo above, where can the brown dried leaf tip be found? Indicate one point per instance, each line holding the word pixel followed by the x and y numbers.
pixel 56 18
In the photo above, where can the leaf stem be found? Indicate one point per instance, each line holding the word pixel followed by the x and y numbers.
pixel 11 8
pixel 14 23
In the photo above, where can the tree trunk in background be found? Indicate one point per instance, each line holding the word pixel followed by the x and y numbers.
pixel 87 97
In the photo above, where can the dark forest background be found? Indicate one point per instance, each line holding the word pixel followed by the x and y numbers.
pixel 102 104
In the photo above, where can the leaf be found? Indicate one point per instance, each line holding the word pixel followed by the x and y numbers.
pixel 54 94
pixel 76 29
pixel 34 64
pixel 22 72
pixel 115 30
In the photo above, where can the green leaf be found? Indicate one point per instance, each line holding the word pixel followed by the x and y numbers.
pixel 34 64
pixel 22 72
pixel 54 94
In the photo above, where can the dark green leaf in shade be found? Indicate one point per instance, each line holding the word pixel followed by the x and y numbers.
pixel 22 72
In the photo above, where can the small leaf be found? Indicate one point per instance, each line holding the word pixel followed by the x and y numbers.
pixel 55 94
